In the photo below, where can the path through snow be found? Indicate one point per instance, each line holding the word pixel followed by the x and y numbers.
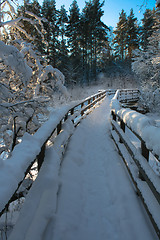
pixel 97 200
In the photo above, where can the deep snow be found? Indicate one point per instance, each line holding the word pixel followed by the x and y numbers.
pixel 96 199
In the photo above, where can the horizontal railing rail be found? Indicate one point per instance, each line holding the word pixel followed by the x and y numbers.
pixel 33 147
pixel 135 159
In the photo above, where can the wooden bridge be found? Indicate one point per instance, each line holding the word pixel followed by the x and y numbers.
pixel 65 155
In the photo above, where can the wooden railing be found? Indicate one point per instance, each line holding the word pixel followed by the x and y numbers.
pixel 146 181
pixel 126 95
pixel 69 115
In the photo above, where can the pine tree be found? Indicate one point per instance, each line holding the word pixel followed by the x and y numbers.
pixel 62 53
pixel 132 34
pixel 74 36
pixel 62 21
pixel 99 31
pixel 50 13
pixel 93 37
pixel 147 27
pixel 120 39
pixel 85 39
pixel 73 32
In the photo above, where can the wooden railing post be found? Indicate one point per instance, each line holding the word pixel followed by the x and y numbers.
pixel 59 127
pixel 66 117
pixel 122 126
pixel 132 94
pixel 120 95
pixel 72 111
pixel 89 101
pixel 40 157
pixel 126 94
pixel 114 116
pixel 144 150
pixel 82 112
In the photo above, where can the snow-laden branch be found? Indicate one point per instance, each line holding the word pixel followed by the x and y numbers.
pixel 13 58
pixel 39 19
pixel 28 36
pixel 57 76
pixel 27 49
pixel 8 105
pixel 11 8
pixel 11 22
pixel 158 3
pixel 17 22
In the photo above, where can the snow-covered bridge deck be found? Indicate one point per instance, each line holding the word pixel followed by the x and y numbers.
pixel 92 197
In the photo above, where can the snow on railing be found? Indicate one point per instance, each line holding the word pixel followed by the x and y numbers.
pixel 146 181
pixel 140 124
pixel 32 148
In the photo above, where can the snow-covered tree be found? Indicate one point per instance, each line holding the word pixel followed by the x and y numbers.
pixel 34 8
pixel 146 65
pixel 27 82
pixel 147 27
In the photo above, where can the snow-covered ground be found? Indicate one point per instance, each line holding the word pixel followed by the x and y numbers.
pixel 97 200
pixel 95 197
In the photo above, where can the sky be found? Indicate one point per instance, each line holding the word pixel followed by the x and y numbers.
pixel 112 8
